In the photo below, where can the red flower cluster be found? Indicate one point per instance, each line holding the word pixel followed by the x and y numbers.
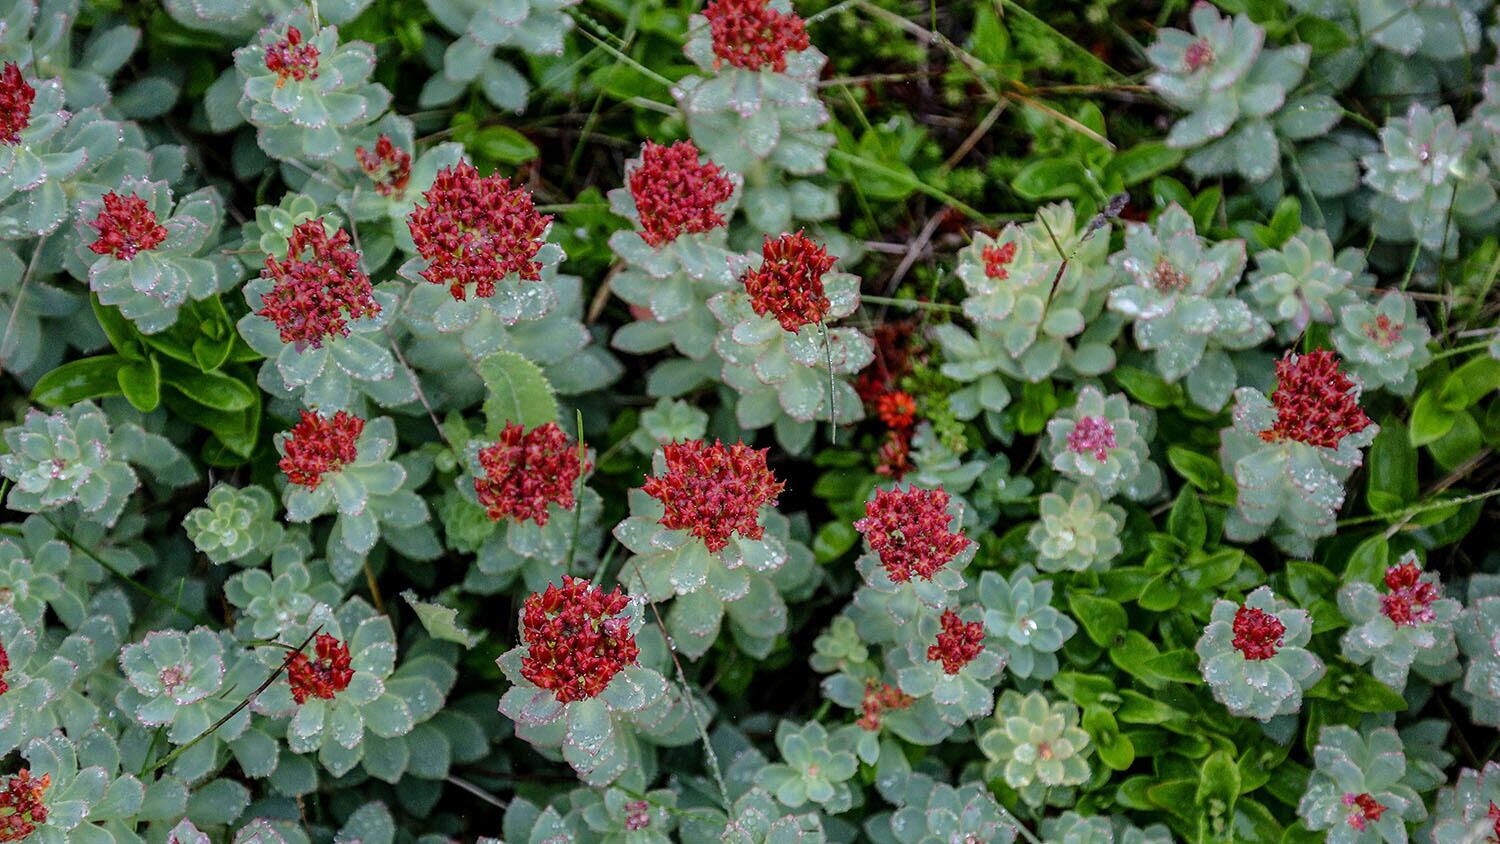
pixel 16 97
pixel 324 676
pixel 1410 600
pixel 319 287
pixel 893 459
pixel 958 644
pixel 320 444
pixel 1315 401
pixel 289 58
pixel 22 809
pixel 878 701
pixel 477 231
pixel 996 257
pixel 637 815
pixel 527 470
pixel 897 409
pixel 4 669
pixel 1383 331
pixel 1366 810
pixel 1092 435
pixel 576 642
pixel 675 194
pixel 909 531
pixel 127 225
pixel 713 491
pixel 1257 634
pixel 789 282
pixel 389 166
pixel 750 34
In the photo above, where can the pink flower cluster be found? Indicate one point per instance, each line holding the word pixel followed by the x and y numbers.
pixel 319 287
pixel 880 699
pixel 477 231
pixel 290 58
pixel 388 166
pixel 1092 435
pixel 996 257
pixel 1410 599
pixel 909 531
pixel 576 640
pixel 22 808
pixel 675 194
pixel 714 491
pixel 527 470
pixel 1365 810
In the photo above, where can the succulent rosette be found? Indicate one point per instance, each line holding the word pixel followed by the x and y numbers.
pixel 934 812
pixel 283 598
pixel 948 668
pixel 237 524
pixel 1406 626
pixel 1303 282
pixel 1254 656
pixel 1429 180
pixel 917 549
pixel 1104 442
pixel 533 27
pixel 815 768
pixel 1020 619
pixel 1036 746
pixel 1478 633
pixel 1465 811
pixel 1384 343
pixel 755 818
pixel 1076 532
pixel 1356 790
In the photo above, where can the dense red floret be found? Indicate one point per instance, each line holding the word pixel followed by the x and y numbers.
pixel 527 470
pixel 1366 810
pixel 750 34
pixel 477 231
pixel 576 640
pixel 1315 401
pixel 324 675
pixel 319 287
pixel 318 445
pixel 1410 599
pixel 789 282
pixel 1092 435
pixel 126 226
pixel 958 644
pixel 16 97
pixel 4 669
pixel 714 491
pixel 675 194
pixel 1257 634
pixel 996 257
pixel 22 807
pixel 908 529
pixel 388 166
pixel 880 699
pixel 291 58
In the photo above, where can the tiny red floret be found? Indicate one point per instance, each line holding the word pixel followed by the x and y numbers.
pixel 126 226
pixel 1410 599
pixel 1092 435
pixel 388 166
pixel 1315 401
pixel 996 257
pixel 637 815
pixel 320 444
pixel 4 669
pixel 324 675
pixel 878 701
pixel 576 639
pixel 1495 819
pixel 897 409
pixel 714 491
pixel 477 231
pixel 789 282
pixel 1198 54
pixel 893 460
pixel 675 194
pixel 750 34
pixel 16 97
pixel 909 531
pixel 290 58
pixel 22 804
pixel 1366 810
pixel 319 287
pixel 527 470
pixel 1257 634
pixel 958 644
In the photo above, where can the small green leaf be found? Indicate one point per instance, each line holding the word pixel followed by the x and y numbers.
pixel 1114 749
pixel 1186 520
pixel 89 378
pixel 1141 162
pixel 503 144
pixel 1462 442
pixel 213 390
pixel 1102 619
pixel 140 381
pixel 1468 384
pixel 1220 780
pixel 517 392
pixel 441 622
pixel 121 333
pixel 1429 419
pixel 1148 388
pixel 1200 470
pixel 1392 480
pixel 1050 178
pixel 1369 560
pixel 833 539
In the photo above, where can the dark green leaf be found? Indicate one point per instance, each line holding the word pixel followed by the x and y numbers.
pixel 89 378
pixel 1429 419
pixel 1392 481
pixel 140 381
pixel 1102 619
pixel 518 392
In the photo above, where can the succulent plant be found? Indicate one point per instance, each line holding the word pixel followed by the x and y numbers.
pixel 1355 791
pixel 1103 442
pixel 1073 828
pixel 74 457
pixel 1254 656
pixel 1478 632
pixel 779 354
pixel 668 421
pixel 1303 282
pixel 1385 343
pixel 31 576
pixel 45 38
pixel 938 813
pixel 839 648
pixel 756 110
pixel 1035 746
pixel 815 768
pixel 702 530
pixel 948 667
pixel 237 524
pixel 1428 180
pixel 304 92
pixel 1019 616
pixel 1076 532
pixel 339 464
pixel 619 817
pixel 42 148
pixel 1030 321
pixel 916 551
pixel 56 801
pixel 1464 811
pixel 285 598
pixel 36 310
pixel 347 701
pixel 1407 626
pixel 576 681
pixel 756 819
pixel 1289 456
pixel 1239 95
pixel 533 27
pixel 1180 298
